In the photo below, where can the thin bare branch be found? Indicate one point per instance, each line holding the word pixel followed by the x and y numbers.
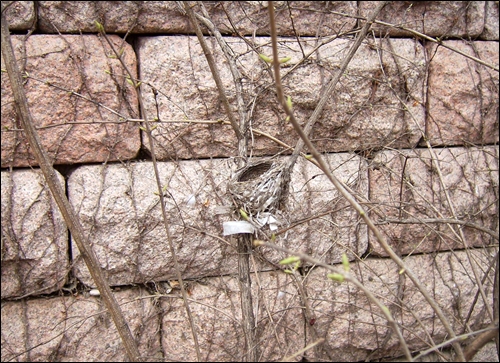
pixel 480 342
pixel 69 214
pixel 423 36
pixel 457 338
pixel 331 86
pixel 244 248
pixel 324 167
pixel 162 197
pixel 440 220
pixel 214 70
pixel 303 350
pixel 350 278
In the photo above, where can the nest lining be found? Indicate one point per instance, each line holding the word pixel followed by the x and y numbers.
pixel 260 187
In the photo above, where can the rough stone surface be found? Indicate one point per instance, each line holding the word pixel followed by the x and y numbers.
pixel 355 329
pixel 352 326
pixel 57 65
pixel 75 16
pixel 491 24
pixel 119 209
pixel 463 95
pixel 77 329
pixel 322 223
pixel 216 310
pixel 365 112
pixel 405 186
pixel 308 18
pixel 34 236
pixel 20 15
pixel 398 92
pixel 488 353
pixel 293 18
pixel 432 18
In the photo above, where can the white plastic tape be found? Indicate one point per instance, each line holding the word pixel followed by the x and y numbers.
pixel 237 227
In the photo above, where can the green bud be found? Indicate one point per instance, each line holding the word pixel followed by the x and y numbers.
pixel 99 26
pixel 284 60
pixel 289 260
pixel 345 262
pixel 297 265
pixel 336 277
pixel 244 214
pixel 257 242
pixel 265 58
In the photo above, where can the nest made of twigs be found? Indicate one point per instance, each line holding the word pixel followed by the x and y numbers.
pixel 260 186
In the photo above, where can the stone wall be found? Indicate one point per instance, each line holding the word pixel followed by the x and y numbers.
pixel 411 129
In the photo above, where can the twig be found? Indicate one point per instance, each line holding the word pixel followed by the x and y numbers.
pixel 480 342
pixel 161 195
pixel 324 167
pixel 214 70
pixel 69 214
pixel 303 350
pixel 350 278
pixel 456 339
pixel 237 78
pixel 439 220
pixel 460 235
pixel 331 86
pixel 244 248
pixel 423 36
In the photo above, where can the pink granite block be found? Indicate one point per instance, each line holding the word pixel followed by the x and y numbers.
pixel 410 206
pixel 463 95
pixel 72 129
pixel 34 236
pixel 78 329
pixel 354 327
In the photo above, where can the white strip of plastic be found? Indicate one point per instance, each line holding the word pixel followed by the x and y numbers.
pixel 237 227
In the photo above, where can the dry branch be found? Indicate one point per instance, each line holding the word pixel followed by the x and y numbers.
pixel 346 194
pixel 160 194
pixel 244 247
pixel 69 214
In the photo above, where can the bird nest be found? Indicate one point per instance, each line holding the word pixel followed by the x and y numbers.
pixel 260 186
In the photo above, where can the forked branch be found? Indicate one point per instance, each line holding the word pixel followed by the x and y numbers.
pixel 67 211
pixel 324 167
